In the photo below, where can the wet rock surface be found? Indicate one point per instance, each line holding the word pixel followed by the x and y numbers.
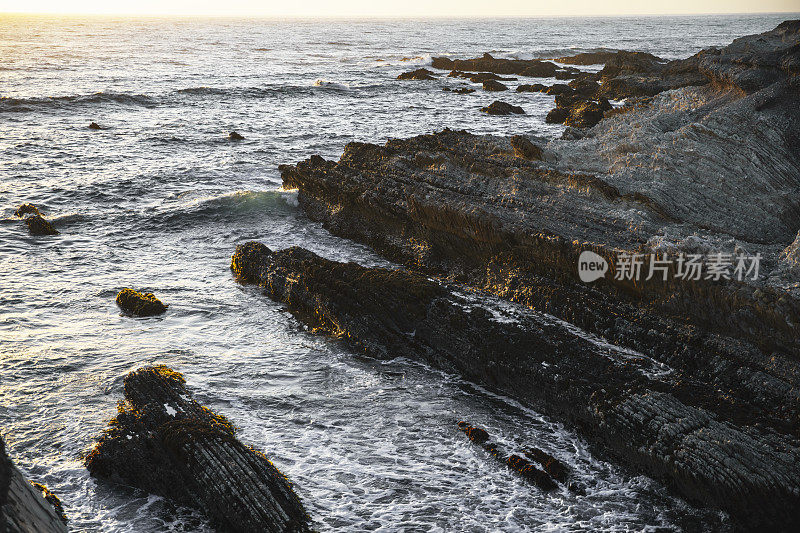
pixel 140 303
pixel 23 506
pixel 671 425
pixel 26 209
pixel 502 108
pixel 165 443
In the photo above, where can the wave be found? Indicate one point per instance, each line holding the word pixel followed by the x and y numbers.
pixel 223 207
pixel 325 84
pixel 9 104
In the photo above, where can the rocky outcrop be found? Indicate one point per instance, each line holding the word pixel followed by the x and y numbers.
pixel 668 424
pixel 140 303
pixel 502 108
pixel 480 77
pixel 23 507
pixel 165 443
pixel 492 85
pixel 577 111
pixel 95 126
pixel 235 136
pixel 418 74
pixel 705 170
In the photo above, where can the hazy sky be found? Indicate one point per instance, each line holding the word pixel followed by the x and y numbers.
pixel 397 8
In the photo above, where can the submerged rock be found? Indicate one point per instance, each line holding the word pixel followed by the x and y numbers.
pixel 555 468
pixel 95 126
pixel 502 108
pixel 39 226
pixel 23 506
pixel 140 303
pixel 234 136
pixel 165 443
pixel 419 74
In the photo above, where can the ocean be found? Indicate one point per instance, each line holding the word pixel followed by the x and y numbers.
pixel 158 200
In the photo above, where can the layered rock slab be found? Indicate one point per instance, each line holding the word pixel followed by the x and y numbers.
pixel 23 508
pixel 670 427
pixel 164 442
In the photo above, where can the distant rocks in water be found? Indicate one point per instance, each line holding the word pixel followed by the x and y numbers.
pixel 95 126
pixel 480 77
pixel 165 443
pixel 235 136
pixel 26 507
pixel 139 303
pixel 26 209
pixel 459 90
pixel 493 85
pixel 40 226
pixel 588 58
pixel 525 149
pixel 531 88
pixel 502 108
pixel 419 74
pixel 488 63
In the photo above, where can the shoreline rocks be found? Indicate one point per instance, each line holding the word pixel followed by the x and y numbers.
pixel 37 225
pixel 140 303
pixel 487 63
pixel 23 505
pixel 672 426
pixel 164 442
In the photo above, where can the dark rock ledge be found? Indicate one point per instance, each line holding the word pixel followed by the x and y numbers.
pixel 23 507
pixel 165 443
pixel 668 425
pixel 707 167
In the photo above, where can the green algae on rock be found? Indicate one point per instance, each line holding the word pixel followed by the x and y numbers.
pixel 140 303
pixel 164 442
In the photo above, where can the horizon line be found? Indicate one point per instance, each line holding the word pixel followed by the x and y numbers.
pixel 377 17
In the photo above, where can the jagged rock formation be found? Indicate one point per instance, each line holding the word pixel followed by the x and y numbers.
pixel 419 74
pixel 164 442
pixel 23 509
pixel 502 108
pixel 670 425
pixel 708 168
pixel 140 303
pixel 235 136
pixel 588 58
